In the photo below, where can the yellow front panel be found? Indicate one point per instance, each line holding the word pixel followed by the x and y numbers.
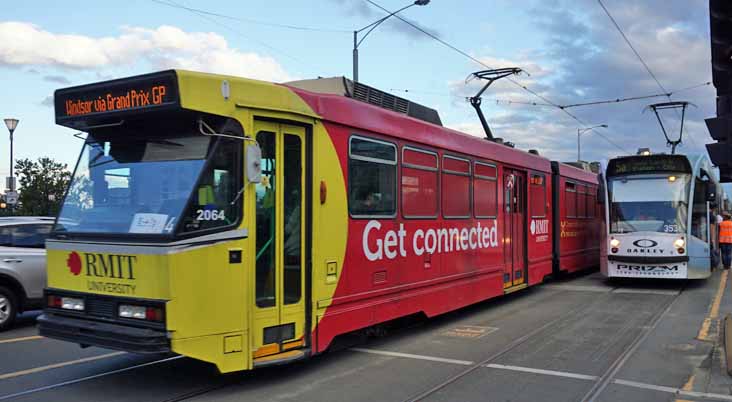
pixel 124 274
pixel 208 294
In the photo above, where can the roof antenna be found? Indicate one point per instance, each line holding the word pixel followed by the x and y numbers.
pixel 491 76
pixel 670 105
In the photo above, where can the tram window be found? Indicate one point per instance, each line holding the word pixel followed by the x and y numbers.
pixel 699 217
pixel 455 187
pixel 591 201
pixel 214 203
pixel 265 198
pixel 292 169
pixel 570 200
pixel 419 183
pixel 538 196
pixel 581 201
pixel 371 178
pixel 485 194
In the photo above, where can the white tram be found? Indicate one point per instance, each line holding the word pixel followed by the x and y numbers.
pixel 660 217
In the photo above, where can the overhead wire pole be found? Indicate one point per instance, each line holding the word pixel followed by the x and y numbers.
pixel 524 87
pixel 645 65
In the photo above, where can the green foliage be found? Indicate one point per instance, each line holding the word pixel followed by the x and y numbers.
pixel 42 186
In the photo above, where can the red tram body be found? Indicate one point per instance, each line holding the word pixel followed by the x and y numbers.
pixel 473 219
pixel 357 208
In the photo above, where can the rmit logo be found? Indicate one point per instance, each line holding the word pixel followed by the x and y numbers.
pixel 115 266
pixel 74 263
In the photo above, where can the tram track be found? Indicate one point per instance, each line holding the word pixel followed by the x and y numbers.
pixel 607 377
pixel 602 381
pixel 564 319
pixel 84 379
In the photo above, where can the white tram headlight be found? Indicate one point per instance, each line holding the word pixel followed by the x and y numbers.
pixel 614 243
pixel 72 303
pixel 679 243
pixel 128 311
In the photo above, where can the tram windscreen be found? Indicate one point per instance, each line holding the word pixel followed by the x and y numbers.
pixel 649 204
pixel 117 180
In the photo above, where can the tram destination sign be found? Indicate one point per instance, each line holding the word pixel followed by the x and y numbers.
pixel 648 164
pixel 111 98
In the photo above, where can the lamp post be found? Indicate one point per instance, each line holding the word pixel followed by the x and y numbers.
pixel 357 43
pixel 581 131
pixel 11 124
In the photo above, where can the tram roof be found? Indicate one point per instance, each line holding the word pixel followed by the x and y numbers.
pixel 195 90
pixel 347 111
pixel 573 172
pixel 695 161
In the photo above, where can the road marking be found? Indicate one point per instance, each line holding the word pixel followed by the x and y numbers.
pixel 634 384
pixel 71 382
pixel 545 372
pixel 580 288
pixel 714 311
pixel 673 390
pixel 57 365
pixel 469 332
pixel 410 356
pixel 26 338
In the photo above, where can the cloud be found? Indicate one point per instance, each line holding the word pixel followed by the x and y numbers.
pixel 24 44
pixel 47 101
pixel 57 79
pixel 584 58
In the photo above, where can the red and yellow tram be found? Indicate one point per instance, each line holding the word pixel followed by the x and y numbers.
pixel 246 223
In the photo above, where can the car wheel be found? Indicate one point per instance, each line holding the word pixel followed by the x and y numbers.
pixel 8 308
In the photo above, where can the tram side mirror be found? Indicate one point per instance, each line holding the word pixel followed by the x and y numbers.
pixel 254 163
pixel 711 192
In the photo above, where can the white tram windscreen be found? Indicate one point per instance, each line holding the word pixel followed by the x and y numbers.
pixel 638 190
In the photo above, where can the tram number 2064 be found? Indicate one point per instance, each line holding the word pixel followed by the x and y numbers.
pixel 210 215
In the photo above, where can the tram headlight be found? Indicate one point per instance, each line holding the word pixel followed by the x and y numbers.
pixel 614 243
pixel 679 243
pixel 72 303
pixel 141 312
pixel 128 311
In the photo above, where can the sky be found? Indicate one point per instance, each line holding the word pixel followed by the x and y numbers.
pixel 570 50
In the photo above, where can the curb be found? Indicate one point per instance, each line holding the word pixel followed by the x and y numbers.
pixel 728 342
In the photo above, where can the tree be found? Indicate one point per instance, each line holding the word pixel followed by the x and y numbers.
pixel 42 186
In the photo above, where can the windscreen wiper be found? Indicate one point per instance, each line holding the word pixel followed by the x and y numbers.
pixel 165 142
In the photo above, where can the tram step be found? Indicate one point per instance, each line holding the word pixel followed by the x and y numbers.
pixel 281 358
pixel 516 288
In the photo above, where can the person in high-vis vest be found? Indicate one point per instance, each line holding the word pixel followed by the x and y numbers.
pixel 725 240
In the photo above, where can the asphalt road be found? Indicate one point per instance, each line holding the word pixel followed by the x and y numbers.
pixel 577 339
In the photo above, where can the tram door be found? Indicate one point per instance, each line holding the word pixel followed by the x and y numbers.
pixel 514 197
pixel 279 277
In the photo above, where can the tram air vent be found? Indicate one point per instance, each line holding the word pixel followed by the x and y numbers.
pixel 364 93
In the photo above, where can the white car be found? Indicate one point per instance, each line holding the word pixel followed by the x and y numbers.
pixel 22 265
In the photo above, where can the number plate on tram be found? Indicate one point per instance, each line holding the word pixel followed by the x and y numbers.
pixel 674 270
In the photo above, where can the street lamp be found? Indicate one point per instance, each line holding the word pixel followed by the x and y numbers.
pixel 581 131
pixel 11 124
pixel 357 43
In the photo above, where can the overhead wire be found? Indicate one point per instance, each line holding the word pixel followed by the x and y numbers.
pixel 524 87
pixel 632 98
pixel 571 105
pixel 625 37
pixel 208 17
pixel 496 100
pixel 249 20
